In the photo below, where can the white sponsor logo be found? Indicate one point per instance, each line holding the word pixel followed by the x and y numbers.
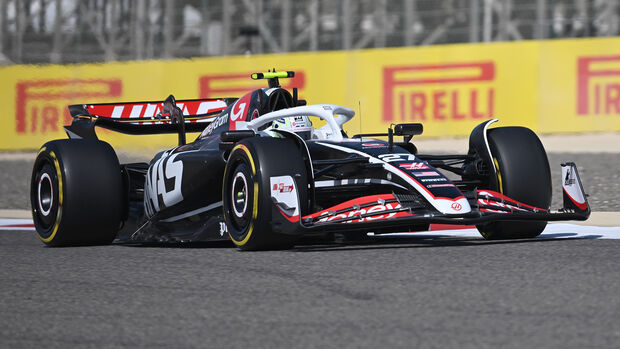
pixel 433 180
pixel 164 168
pixel 397 157
pixel 282 188
pixel 223 228
pixel 240 108
pixel 221 120
pixel 378 209
pixel 414 166
pixel 283 191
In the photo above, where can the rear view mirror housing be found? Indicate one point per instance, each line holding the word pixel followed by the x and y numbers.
pixel 410 130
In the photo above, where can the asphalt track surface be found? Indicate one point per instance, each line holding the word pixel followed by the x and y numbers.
pixel 415 292
pixel 397 292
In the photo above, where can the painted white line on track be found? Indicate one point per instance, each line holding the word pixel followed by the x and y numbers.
pixel 16 224
pixel 552 231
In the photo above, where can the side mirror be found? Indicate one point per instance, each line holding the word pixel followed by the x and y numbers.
pixel 408 129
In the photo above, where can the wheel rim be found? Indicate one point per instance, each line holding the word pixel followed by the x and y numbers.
pixel 45 197
pixel 239 195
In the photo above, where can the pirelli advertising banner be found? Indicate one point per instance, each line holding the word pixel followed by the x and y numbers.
pixel 550 86
pixel 579 86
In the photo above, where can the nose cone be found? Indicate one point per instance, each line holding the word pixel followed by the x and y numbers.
pixel 458 206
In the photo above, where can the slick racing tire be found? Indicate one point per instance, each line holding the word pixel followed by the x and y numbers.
pixel 246 191
pixel 522 173
pixel 76 193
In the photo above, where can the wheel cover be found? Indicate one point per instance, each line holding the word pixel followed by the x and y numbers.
pixel 45 194
pixel 239 195
pixel 45 197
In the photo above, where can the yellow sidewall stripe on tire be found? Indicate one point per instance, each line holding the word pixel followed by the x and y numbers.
pixel 247 151
pixel 499 176
pixel 255 208
pixel 501 190
pixel 59 214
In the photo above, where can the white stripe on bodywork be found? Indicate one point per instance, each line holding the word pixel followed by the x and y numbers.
pixel 333 183
pixel 486 142
pixel 136 110
pixel 150 110
pixel 203 108
pixel 117 112
pixel 192 213
pixel 442 205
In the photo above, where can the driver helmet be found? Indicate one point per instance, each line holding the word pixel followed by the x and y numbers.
pixel 300 125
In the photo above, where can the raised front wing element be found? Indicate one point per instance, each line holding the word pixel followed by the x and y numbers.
pixel 572 190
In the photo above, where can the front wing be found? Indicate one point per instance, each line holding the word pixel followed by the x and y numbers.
pixel 388 213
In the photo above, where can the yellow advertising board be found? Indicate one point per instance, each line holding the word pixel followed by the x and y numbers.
pixel 449 89
pixel 550 86
pixel 36 97
pixel 579 85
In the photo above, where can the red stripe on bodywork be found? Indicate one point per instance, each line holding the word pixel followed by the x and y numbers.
pixel 190 107
pixel 435 227
pixel 349 204
pixel 292 219
pixel 505 198
pixel 582 206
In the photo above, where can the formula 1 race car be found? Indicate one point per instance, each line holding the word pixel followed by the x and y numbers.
pixel 262 175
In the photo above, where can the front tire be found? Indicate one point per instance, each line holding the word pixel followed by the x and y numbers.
pixel 76 193
pixel 523 174
pixel 246 192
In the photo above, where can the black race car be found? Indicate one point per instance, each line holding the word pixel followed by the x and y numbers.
pixel 263 174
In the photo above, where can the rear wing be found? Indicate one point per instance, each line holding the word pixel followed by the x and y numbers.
pixel 140 118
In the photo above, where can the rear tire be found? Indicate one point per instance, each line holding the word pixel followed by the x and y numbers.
pixel 523 174
pixel 76 193
pixel 246 192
